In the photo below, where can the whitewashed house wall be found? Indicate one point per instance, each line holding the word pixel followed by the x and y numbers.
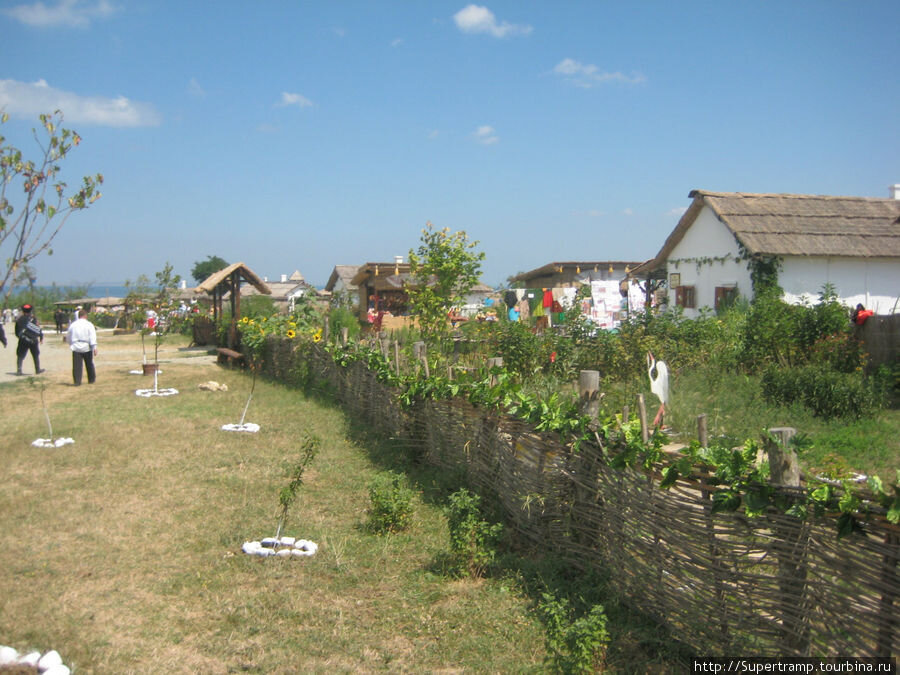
pixel 708 239
pixel 873 282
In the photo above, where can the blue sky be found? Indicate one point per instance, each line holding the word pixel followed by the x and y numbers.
pixel 301 135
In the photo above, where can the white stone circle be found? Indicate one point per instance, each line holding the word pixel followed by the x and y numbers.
pixel 147 393
pixel 50 443
pixel 285 547
pixel 49 663
pixel 249 427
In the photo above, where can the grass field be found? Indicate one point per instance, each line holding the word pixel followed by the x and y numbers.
pixel 122 551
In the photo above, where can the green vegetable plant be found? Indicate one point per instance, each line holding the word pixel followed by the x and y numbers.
pixel 574 644
pixel 391 507
pixel 473 540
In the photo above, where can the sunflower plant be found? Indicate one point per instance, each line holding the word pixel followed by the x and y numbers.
pixel 299 325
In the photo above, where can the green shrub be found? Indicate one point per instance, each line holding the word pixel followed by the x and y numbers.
pixel 392 504
pixel 574 645
pixel 518 346
pixel 343 317
pixel 828 393
pixel 473 541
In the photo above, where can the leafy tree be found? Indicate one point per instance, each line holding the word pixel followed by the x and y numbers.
pixel 443 269
pixel 44 206
pixel 203 269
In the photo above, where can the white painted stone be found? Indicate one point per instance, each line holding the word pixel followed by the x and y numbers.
pixel 30 659
pixel 57 670
pixel 50 659
pixel 8 655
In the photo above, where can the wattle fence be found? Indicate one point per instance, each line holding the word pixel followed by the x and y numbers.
pixel 725 583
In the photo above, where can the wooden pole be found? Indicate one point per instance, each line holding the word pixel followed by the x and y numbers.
pixel 784 466
pixel 790 547
pixel 326 331
pixel 702 435
pixel 345 335
pixel 642 412
pixel 397 356
pixel 496 361
pixel 589 393
pixel 421 354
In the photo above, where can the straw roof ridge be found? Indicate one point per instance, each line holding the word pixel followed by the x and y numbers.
pixel 799 225
pixel 213 280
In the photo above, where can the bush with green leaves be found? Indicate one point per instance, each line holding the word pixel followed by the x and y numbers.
pixel 391 508
pixel 828 393
pixel 343 317
pixel 574 644
pixel 473 540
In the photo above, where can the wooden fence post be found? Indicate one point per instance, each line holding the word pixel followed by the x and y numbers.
pixel 345 335
pixel 888 613
pixel 784 467
pixel 421 354
pixel 790 546
pixel 326 331
pixel 397 356
pixel 496 361
pixel 642 411
pixel 589 393
pixel 701 431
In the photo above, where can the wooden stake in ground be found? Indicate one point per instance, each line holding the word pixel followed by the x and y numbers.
pixel 245 426
pixel 48 442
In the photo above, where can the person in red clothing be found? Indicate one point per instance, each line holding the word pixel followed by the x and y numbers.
pixel 860 314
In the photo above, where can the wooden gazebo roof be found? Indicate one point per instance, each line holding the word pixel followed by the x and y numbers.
pixel 223 280
pixel 226 281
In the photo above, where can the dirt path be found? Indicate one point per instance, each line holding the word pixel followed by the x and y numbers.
pixel 114 353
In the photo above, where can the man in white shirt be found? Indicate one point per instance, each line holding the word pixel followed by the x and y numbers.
pixel 82 339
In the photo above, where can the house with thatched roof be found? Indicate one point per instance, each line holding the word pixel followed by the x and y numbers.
pixel 285 292
pixel 340 286
pixel 849 243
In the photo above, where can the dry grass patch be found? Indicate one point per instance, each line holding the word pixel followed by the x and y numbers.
pixel 122 551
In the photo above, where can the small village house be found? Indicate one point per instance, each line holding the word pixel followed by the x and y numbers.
pixel 340 283
pixel 285 292
pixel 381 287
pixel 849 243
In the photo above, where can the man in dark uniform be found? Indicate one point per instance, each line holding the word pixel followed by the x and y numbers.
pixel 30 336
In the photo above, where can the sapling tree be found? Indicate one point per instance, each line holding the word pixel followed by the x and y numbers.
pixel 166 282
pixel 31 219
pixel 308 450
pixel 444 269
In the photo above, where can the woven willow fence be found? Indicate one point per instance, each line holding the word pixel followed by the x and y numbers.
pixel 724 583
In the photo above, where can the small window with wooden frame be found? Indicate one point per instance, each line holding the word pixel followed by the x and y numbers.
pixel 686 296
pixel 725 297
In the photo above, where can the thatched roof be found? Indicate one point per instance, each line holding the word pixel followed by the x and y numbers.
pixel 222 276
pixel 799 225
pixel 344 273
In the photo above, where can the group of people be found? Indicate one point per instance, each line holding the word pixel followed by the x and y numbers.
pixel 81 337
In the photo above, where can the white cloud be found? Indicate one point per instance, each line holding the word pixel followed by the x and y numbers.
pixel 195 89
pixel 628 212
pixel 396 42
pixel 433 134
pixel 72 13
pixel 588 75
pixel 298 100
pixel 486 135
pixel 678 211
pixel 26 100
pixel 477 19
